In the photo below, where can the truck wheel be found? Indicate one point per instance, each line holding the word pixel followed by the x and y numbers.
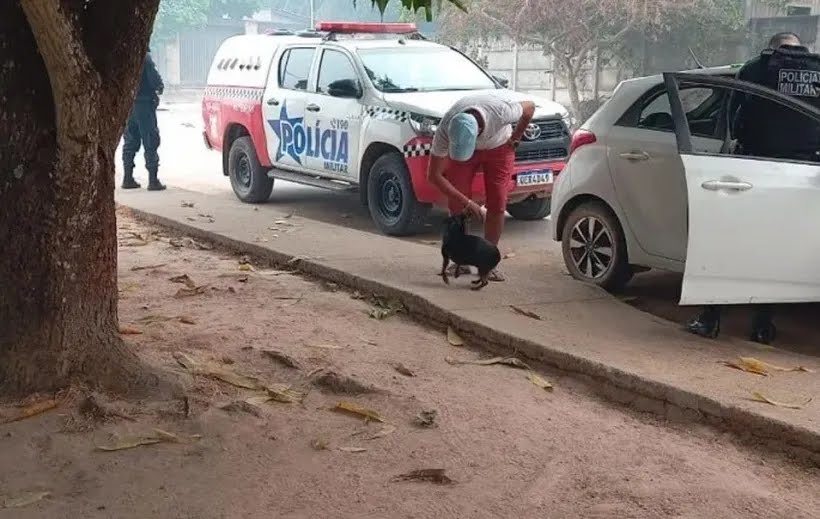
pixel 390 197
pixel 533 208
pixel 594 247
pixel 249 178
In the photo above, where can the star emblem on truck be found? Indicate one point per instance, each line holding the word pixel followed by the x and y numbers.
pixel 283 128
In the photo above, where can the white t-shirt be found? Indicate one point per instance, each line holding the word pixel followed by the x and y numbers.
pixel 499 115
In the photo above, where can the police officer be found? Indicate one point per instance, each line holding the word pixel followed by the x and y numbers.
pixel 142 128
pixel 765 129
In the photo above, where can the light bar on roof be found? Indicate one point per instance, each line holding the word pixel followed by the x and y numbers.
pixel 366 27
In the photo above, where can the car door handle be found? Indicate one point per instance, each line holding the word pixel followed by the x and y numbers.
pixel 726 185
pixel 312 108
pixel 635 156
pixel 273 102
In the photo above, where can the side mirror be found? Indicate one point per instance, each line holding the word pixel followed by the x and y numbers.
pixel 502 81
pixel 347 88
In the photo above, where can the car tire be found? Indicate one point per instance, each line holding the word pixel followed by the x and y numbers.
pixel 249 179
pixel 594 247
pixel 391 199
pixel 531 209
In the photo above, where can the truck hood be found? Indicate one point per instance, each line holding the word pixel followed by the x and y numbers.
pixel 436 104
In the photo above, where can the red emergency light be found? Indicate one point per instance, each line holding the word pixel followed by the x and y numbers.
pixel 366 27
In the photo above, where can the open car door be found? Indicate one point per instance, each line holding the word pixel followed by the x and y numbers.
pixel 753 223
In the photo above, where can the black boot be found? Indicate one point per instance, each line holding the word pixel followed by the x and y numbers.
pixel 128 181
pixel 707 324
pixel 763 329
pixel 153 182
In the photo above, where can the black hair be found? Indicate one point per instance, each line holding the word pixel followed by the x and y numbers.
pixel 778 39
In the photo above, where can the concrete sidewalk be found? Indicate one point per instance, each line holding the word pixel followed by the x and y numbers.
pixel 633 357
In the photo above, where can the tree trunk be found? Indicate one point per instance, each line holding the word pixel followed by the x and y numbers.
pixel 66 86
pixel 572 75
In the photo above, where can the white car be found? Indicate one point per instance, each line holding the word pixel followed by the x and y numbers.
pixel 354 106
pixel 651 183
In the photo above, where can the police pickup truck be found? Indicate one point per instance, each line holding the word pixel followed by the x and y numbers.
pixel 353 106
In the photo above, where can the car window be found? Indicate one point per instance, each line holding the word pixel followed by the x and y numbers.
pixel 294 68
pixel 702 107
pixel 335 66
pixel 769 130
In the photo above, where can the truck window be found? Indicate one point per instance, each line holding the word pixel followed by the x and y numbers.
pixel 294 68
pixel 335 66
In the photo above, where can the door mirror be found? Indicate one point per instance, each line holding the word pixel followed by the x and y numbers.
pixel 348 88
pixel 502 81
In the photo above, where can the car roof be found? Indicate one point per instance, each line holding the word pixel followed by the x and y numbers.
pixel 648 81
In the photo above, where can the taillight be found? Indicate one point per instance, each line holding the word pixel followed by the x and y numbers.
pixel 581 138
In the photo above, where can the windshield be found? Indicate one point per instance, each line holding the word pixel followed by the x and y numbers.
pixel 422 70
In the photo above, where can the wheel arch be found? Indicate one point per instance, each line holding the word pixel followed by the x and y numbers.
pixel 232 132
pixel 370 156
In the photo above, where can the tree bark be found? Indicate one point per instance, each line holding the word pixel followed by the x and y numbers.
pixel 68 71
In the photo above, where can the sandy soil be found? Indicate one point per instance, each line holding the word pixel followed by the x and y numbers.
pixel 511 448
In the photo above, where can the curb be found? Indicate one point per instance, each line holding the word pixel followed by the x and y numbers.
pixel 613 384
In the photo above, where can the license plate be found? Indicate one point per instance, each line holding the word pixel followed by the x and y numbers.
pixel 534 178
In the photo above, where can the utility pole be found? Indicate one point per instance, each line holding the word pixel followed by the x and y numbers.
pixel 312 14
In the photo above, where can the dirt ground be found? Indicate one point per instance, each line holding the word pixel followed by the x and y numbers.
pixel 510 448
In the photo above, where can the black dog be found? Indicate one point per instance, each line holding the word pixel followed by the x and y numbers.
pixel 465 249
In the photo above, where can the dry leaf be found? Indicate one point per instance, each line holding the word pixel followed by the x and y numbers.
pixel 282 358
pixel 326 346
pixel 765 366
pixel 404 370
pixel 187 204
pixel 319 444
pixel 539 381
pixel 386 431
pixel 748 365
pixel 129 330
pixel 246 267
pixel 381 313
pixel 285 394
pixel 157 436
pixel 24 500
pixel 183 279
pixel 258 400
pixel 151 319
pixel 218 372
pixel 507 361
pixel 759 397
pixel 350 407
pixel 242 406
pixel 426 418
pixel 186 320
pixel 429 475
pixel 190 292
pixel 352 449
pixel 526 313
pixel 148 267
pixel 35 409
pixel 453 338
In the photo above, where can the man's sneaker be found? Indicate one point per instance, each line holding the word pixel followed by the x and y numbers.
pixel 156 186
pixel 130 183
pixel 496 276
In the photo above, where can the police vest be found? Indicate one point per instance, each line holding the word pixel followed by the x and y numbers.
pixel 774 130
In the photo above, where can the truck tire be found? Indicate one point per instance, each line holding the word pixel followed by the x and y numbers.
pixel 531 209
pixel 391 199
pixel 594 247
pixel 249 179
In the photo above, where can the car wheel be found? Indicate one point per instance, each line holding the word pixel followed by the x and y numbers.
pixel 249 179
pixel 594 247
pixel 390 197
pixel 531 209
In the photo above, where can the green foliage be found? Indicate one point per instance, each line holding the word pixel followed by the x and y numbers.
pixel 179 15
pixel 413 6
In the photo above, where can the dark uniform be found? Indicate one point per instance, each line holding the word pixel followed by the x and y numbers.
pixel 142 129
pixel 766 129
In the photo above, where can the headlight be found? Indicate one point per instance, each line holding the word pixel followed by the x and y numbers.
pixel 569 121
pixel 423 125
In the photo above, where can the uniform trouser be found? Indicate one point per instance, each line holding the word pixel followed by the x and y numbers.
pixel 142 129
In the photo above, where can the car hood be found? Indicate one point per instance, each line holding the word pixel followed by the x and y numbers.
pixel 436 104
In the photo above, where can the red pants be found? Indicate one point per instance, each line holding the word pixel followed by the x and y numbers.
pixel 497 165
